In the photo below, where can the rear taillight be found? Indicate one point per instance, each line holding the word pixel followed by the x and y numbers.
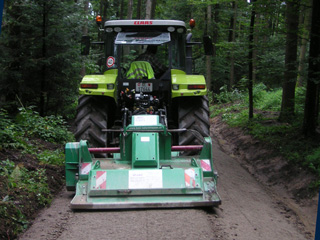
pixel 89 86
pixel 196 86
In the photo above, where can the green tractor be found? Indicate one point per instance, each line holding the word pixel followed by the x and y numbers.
pixel 148 118
pixel 109 100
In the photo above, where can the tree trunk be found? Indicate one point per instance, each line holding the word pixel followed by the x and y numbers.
pixel 121 9
pixel 304 42
pixel 85 33
pixel 139 9
pixel 153 9
pixel 290 75
pixel 1 12
pixel 250 83
pixel 104 13
pixel 148 9
pixel 231 39
pixel 254 50
pixel 215 28
pixel 208 58
pixel 44 54
pixel 130 5
pixel 311 111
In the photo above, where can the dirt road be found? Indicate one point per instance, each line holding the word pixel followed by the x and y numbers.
pixel 248 211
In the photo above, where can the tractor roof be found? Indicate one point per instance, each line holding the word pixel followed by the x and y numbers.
pixel 151 24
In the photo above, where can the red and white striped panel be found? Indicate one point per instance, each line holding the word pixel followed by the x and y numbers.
pixel 189 177
pixel 101 180
pixel 206 165
pixel 85 168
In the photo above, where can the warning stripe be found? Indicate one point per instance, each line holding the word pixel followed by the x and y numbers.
pixel 85 168
pixel 206 165
pixel 101 180
pixel 189 177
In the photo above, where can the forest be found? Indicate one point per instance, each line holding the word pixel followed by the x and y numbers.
pixel 263 74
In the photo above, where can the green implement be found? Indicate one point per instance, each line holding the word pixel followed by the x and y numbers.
pixel 146 171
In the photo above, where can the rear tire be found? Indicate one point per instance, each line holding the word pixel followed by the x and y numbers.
pixel 193 114
pixel 92 117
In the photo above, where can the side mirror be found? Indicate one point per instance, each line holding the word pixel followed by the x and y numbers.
pixel 208 47
pixel 85 45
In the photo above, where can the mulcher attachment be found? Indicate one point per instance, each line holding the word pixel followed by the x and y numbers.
pixel 144 172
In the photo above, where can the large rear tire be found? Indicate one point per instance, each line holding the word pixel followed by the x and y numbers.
pixel 193 114
pixel 92 117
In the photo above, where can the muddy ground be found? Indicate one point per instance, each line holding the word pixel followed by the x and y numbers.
pixel 259 201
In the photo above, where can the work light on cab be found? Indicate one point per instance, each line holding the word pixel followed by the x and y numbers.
pixel 192 23
pixel 99 20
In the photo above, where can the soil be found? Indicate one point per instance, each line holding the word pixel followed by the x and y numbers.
pixel 262 198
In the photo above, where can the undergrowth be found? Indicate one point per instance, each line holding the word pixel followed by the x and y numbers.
pixel 24 160
pixel 286 138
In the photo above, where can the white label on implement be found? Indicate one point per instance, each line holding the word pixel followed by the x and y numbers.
pixel 145 120
pixel 143 179
pixel 145 139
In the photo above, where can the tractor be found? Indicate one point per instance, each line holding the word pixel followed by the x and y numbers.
pixel 142 125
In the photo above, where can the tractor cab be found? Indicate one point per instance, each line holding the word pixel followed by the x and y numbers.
pixel 131 38
pixel 145 53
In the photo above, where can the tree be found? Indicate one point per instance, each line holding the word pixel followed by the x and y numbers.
pixel 40 54
pixel 306 23
pixel 130 10
pixel 250 83
pixel 139 9
pixel 150 9
pixel 208 58
pixel 311 112
pixel 290 74
pixel 231 39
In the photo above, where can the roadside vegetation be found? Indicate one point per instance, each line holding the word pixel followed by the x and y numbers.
pixel 285 137
pixel 31 166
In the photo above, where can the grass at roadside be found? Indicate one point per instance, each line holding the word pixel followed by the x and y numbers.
pixel 286 138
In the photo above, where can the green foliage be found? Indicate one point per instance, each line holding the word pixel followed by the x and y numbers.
pixel 35 182
pixel 49 128
pixel 313 160
pixel 52 157
pixel 286 138
pixel 10 136
pixel 28 124
pixel 270 64
pixel 225 96
pixel 6 167
pixel 270 100
pixel 300 96
pixel 13 219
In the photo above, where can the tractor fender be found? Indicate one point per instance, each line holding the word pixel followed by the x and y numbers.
pixel 184 85
pixel 102 84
